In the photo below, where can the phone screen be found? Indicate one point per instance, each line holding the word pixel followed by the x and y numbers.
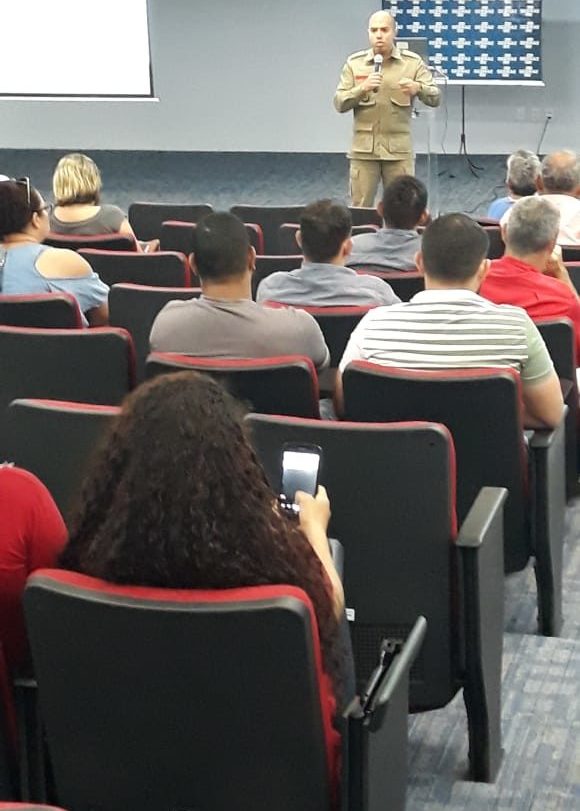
pixel 299 472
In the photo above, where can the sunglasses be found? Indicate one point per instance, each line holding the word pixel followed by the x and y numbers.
pixel 24 181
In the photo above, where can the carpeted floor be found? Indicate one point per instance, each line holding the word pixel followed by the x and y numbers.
pixel 541 714
pixel 224 179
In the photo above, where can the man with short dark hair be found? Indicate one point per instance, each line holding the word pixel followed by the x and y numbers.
pixel 449 326
pixel 323 280
pixel 403 209
pixel 224 322
pixel 531 274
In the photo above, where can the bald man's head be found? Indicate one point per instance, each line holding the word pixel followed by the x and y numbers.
pixel 561 173
pixel 382 30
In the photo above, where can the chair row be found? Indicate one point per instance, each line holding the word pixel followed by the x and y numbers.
pixel 386 586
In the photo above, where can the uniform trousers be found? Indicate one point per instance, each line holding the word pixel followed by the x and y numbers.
pixel 365 176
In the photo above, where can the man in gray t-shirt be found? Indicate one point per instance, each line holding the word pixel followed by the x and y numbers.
pixel 225 322
pixel 403 209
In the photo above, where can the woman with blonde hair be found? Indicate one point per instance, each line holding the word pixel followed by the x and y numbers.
pixel 76 186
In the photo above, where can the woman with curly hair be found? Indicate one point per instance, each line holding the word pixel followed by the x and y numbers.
pixel 176 498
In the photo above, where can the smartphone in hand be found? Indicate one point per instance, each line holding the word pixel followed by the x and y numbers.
pixel 301 465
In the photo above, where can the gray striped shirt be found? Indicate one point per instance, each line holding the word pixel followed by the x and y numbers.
pixel 447 329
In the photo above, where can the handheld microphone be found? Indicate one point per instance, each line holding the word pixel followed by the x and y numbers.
pixel 378 62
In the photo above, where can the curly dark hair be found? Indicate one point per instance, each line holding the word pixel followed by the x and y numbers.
pixel 176 498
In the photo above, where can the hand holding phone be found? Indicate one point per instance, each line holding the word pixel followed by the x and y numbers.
pixel 300 472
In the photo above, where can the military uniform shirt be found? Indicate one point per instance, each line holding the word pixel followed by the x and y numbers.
pixel 382 120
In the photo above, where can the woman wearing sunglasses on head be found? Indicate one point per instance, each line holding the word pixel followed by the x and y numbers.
pixel 27 266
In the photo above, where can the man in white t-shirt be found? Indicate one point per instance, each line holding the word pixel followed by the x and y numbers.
pixel 559 183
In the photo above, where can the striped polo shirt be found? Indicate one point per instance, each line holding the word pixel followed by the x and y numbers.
pixel 449 329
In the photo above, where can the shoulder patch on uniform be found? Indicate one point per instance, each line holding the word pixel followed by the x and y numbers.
pixel 358 54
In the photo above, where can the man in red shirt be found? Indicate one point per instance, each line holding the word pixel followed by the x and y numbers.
pixel 531 274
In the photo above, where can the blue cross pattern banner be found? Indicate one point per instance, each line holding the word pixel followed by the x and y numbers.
pixel 477 41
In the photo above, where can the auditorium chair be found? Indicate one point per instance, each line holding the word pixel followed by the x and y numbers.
pixel 163 269
pixel 392 494
pixel 8 735
pixel 55 440
pixel 482 409
pixel 180 236
pixel 365 216
pixel 45 310
pixel 269 218
pixel 163 699
pixel 134 307
pixel 28 807
pixel 287 384
pixel 405 283
pixel 336 324
pixel 571 253
pixel 496 244
pixel 573 268
pixel 146 219
pixel 558 335
pixel 267 264
pixel 287 235
pixel 104 242
pixel 87 366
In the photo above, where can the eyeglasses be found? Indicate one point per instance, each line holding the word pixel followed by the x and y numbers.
pixel 46 207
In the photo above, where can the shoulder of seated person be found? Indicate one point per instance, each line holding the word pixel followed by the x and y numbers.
pixel 69 261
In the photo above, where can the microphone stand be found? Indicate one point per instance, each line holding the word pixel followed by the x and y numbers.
pixel 473 167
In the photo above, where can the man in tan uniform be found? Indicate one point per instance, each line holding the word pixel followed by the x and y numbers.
pixel 382 104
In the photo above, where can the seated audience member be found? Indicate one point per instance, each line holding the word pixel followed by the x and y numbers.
pixel 403 209
pixel 323 280
pixel 76 186
pixel 560 184
pixel 27 266
pixel 449 326
pixel 32 534
pixel 523 172
pixel 224 322
pixel 194 510
pixel 532 275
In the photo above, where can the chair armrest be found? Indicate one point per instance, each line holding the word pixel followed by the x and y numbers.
pixel 548 501
pixel 480 550
pixel 377 742
pixel 33 786
pixel 337 552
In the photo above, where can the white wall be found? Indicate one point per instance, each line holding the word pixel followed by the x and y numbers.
pixel 258 75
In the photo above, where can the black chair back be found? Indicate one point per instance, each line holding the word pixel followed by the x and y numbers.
pixel 162 269
pixel 337 324
pixel 571 253
pixel 404 283
pixel 49 310
pixel 496 244
pixel 180 236
pixel 146 218
pixel 55 440
pixel 86 366
pixel 365 216
pixel 104 242
pixel 159 698
pixel 134 307
pixel 558 335
pixel 482 410
pixel 269 218
pixel 573 268
pixel 283 385
pixel 391 488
